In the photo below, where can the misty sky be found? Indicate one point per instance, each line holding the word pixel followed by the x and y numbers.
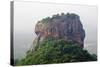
pixel 26 15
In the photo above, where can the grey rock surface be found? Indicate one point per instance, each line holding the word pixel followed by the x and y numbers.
pixel 65 26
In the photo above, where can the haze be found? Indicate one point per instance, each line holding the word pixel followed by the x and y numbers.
pixel 26 15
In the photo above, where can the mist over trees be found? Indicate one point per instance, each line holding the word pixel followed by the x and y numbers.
pixel 60 39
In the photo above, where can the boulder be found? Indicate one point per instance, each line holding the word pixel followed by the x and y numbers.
pixel 65 26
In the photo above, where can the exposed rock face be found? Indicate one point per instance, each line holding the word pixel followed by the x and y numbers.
pixel 65 26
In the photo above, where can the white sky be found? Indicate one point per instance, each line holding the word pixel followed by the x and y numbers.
pixel 26 14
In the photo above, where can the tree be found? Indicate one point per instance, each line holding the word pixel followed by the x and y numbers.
pixel 57 51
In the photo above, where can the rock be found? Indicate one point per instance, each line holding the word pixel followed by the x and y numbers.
pixel 65 26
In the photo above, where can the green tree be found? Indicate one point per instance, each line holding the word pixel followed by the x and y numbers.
pixel 56 51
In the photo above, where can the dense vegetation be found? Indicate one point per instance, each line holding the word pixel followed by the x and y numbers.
pixel 56 51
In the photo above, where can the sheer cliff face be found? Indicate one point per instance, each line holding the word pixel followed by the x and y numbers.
pixel 65 26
